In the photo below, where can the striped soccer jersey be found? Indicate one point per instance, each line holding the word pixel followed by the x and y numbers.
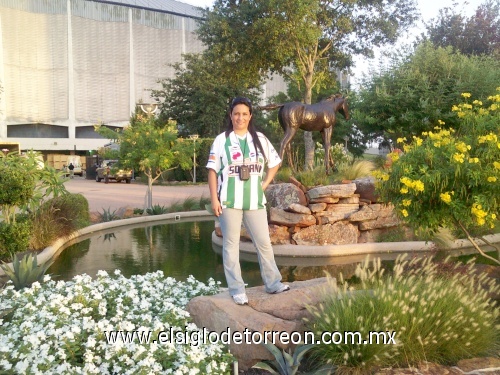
pixel 226 157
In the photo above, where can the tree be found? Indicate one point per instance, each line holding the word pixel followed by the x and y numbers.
pixel 417 90
pixel 476 35
pixel 302 39
pixel 151 147
pixel 198 96
pixel 450 177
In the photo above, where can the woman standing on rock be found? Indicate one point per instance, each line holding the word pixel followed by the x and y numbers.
pixel 235 169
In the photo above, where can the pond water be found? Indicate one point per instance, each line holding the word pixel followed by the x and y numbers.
pixel 178 249
pixel 184 248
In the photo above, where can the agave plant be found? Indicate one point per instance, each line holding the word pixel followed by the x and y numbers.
pixel 286 363
pixel 108 215
pixel 157 210
pixel 25 270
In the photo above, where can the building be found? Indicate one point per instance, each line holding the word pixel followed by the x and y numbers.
pixel 66 65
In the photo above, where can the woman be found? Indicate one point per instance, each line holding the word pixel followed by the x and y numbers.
pixel 235 170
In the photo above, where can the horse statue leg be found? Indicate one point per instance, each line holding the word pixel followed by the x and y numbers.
pixel 285 142
pixel 327 138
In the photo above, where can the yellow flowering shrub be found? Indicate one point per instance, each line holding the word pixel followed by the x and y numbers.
pixel 450 178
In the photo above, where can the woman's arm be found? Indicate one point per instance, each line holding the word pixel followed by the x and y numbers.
pixel 212 185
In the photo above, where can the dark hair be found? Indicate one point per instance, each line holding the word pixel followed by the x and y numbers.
pixel 251 127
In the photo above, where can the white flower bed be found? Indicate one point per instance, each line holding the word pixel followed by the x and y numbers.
pixel 58 327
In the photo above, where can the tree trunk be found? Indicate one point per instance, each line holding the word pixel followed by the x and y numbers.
pixel 308 139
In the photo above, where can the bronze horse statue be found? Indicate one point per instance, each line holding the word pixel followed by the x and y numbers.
pixel 312 117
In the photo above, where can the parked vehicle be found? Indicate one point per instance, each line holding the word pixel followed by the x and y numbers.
pixel 107 171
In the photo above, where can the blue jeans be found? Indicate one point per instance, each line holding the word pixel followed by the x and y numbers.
pixel 256 224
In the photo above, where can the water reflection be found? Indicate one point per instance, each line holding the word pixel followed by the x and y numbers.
pixel 178 249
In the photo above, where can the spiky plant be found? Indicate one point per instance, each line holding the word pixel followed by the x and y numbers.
pixel 25 270
pixel 286 363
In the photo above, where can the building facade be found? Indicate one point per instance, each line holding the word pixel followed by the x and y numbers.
pixel 66 65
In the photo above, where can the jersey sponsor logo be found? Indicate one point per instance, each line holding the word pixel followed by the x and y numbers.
pixel 236 155
pixel 254 168
pixel 212 157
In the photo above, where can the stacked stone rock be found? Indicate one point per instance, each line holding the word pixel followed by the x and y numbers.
pixel 327 215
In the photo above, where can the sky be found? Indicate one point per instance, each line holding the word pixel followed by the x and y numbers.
pixel 428 9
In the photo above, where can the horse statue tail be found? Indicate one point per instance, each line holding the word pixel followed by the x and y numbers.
pixel 269 107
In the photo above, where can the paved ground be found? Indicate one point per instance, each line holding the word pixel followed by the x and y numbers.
pixel 115 195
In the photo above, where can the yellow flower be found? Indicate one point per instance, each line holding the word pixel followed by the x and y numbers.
pixel 462 147
pixel 492 179
pixel 404 190
pixel 496 164
pixel 404 212
pixel 493 216
pixel 440 122
pixel 478 102
pixel 474 160
pixel 461 114
pixel 466 94
pixel 458 157
pixel 425 133
pixel 455 108
pixel 406 202
pixel 401 140
pixel 418 141
pixel 418 185
pixel 445 197
pixel 493 107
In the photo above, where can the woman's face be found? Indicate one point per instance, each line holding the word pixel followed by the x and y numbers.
pixel 240 117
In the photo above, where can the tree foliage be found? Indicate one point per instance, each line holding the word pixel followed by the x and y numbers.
pixel 479 34
pixel 450 177
pixel 198 96
pixel 150 146
pixel 302 39
pixel 417 90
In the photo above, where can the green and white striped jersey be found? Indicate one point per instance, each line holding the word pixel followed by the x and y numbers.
pixel 226 157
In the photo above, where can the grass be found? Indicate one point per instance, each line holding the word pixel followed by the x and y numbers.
pixel 438 317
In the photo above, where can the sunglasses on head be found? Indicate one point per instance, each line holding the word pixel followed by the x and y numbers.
pixel 241 100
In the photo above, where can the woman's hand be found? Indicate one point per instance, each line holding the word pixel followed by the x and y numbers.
pixel 217 208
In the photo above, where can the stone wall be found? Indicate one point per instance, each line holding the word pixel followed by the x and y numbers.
pixel 327 215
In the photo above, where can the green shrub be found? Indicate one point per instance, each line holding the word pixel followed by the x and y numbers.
pixel 58 217
pixel 283 174
pixel 17 186
pixel 358 169
pixel 14 237
pixel 436 317
pixel 315 177
pixel 73 209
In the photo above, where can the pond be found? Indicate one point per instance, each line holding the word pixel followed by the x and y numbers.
pixel 184 248
pixel 178 249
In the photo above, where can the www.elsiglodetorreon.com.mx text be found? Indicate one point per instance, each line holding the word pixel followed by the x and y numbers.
pixel 205 336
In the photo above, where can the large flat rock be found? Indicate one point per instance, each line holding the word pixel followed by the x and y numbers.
pixel 282 312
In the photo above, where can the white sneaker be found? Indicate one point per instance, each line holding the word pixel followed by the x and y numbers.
pixel 281 289
pixel 240 299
